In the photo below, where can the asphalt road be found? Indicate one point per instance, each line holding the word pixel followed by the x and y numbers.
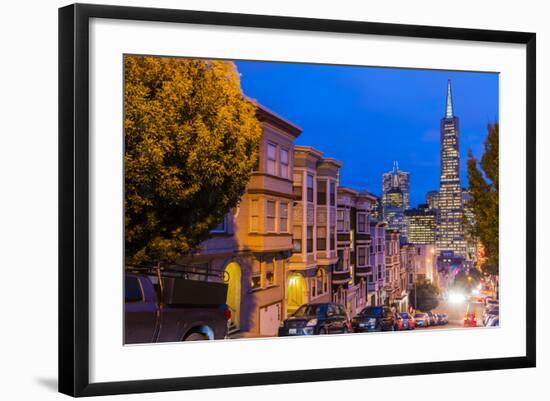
pixel 456 312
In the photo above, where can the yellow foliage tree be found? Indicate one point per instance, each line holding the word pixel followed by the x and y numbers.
pixel 191 140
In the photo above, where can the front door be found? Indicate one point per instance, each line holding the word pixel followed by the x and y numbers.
pixel 296 295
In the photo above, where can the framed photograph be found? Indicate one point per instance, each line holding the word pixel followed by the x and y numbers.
pixel 252 199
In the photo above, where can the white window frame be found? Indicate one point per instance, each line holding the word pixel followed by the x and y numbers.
pixel 267 217
pixel 284 228
pixel 343 211
pixel 365 228
pixel 268 159
pixel 255 217
pixel 364 248
pixel 284 169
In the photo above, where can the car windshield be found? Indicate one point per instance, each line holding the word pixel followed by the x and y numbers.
pixel 405 315
pixel 372 311
pixel 310 310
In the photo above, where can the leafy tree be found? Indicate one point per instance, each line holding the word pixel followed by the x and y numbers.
pixel 425 294
pixel 484 200
pixel 191 140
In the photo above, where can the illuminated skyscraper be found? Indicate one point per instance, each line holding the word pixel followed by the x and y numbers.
pixel 421 225
pixel 450 232
pixel 398 178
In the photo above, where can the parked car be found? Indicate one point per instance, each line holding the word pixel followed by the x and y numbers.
pixel 408 321
pixel 489 312
pixel 199 314
pixel 421 320
pixel 374 318
pixel 442 318
pixel 399 324
pixel 316 318
pixel 492 321
pixel 470 320
pixel 433 318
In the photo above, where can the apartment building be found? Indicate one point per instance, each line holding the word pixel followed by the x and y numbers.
pixel 315 181
pixel 377 257
pixel 354 269
pixel 395 294
pixel 253 245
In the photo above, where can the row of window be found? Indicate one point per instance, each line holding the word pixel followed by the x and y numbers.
pixel 274 222
pixel 343 221
pixel 263 275
pixel 321 239
pixel 321 190
pixel 278 163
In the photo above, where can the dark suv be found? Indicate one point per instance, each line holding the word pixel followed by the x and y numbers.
pixel 374 318
pixel 325 318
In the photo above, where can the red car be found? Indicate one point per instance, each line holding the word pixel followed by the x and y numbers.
pixel 470 320
pixel 398 322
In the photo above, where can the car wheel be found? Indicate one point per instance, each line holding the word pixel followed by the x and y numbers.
pixel 196 337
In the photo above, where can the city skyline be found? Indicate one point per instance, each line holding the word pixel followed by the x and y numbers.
pixel 400 109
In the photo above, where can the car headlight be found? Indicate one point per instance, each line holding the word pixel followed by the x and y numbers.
pixel 311 322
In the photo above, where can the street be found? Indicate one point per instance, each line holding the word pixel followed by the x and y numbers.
pixel 456 313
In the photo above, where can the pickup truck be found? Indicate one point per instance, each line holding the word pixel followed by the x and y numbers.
pixel 176 310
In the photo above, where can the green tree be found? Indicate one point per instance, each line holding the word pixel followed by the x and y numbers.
pixel 424 296
pixel 484 201
pixel 191 140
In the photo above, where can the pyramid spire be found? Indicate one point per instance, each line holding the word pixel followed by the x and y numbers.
pixel 395 166
pixel 449 108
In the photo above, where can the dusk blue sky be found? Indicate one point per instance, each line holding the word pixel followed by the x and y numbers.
pixel 368 117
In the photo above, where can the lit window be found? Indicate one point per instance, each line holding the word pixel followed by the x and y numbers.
pixel 271 158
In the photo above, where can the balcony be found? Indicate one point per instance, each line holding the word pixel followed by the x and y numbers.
pixel 269 242
pixel 363 271
pixel 340 277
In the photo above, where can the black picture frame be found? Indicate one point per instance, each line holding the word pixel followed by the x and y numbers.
pixel 74 198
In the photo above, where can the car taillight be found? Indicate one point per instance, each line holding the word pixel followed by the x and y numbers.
pixel 227 313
